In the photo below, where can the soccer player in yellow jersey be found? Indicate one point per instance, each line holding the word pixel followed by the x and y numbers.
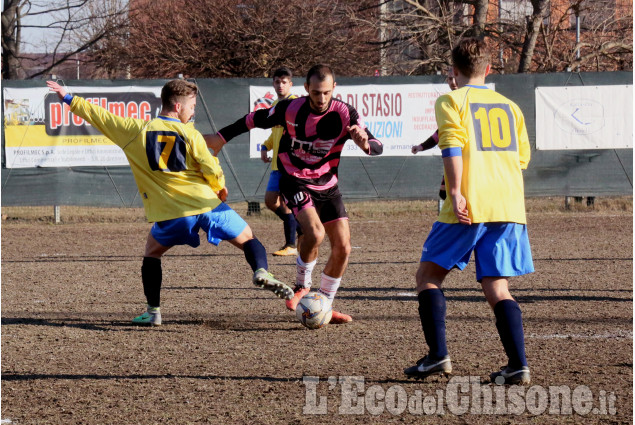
pixel 485 147
pixel 273 200
pixel 181 184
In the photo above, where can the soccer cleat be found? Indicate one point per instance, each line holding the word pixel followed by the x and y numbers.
pixel 427 366
pixel 265 280
pixel 299 293
pixel 151 317
pixel 510 376
pixel 340 318
pixel 286 251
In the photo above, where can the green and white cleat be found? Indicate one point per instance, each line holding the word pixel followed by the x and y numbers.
pixel 265 280
pixel 151 317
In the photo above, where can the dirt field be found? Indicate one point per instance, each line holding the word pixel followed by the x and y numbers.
pixel 231 353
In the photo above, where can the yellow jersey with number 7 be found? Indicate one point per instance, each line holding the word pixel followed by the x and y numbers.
pixel 490 132
pixel 175 173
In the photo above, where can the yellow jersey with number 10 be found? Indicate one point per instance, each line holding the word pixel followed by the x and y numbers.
pixel 175 173
pixel 490 131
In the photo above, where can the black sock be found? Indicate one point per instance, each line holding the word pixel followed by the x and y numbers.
pixel 255 254
pixel 151 276
pixel 432 315
pixel 509 322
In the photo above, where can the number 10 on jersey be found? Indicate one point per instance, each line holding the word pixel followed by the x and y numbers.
pixel 494 127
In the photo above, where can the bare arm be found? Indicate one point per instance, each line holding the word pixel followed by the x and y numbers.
pixel 263 155
pixel 365 140
pixel 453 166
pixel 214 142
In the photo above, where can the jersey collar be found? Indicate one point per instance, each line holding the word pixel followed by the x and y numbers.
pixel 476 87
pixel 163 117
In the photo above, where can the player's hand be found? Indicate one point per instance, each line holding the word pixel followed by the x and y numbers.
pixel 264 157
pixel 222 194
pixel 57 89
pixel 459 204
pixel 359 136
pixel 214 142
pixel 416 148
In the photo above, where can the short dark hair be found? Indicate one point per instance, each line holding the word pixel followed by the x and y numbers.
pixel 321 71
pixel 283 72
pixel 173 92
pixel 471 56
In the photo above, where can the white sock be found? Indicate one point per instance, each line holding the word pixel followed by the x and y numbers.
pixel 303 272
pixel 329 286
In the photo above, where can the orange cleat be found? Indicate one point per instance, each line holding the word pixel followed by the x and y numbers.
pixel 340 318
pixel 299 292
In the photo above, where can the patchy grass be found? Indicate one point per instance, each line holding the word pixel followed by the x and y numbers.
pixel 356 209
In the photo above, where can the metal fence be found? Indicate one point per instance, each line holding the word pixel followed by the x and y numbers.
pixel 222 101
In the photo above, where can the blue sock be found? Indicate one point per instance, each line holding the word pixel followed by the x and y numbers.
pixel 255 254
pixel 290 225
pixel 509 322
pixel 290 228
pixel 432 315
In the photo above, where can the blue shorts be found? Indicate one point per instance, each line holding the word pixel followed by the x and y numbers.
pixel 500 249
pixel 274 182
pixel 220 224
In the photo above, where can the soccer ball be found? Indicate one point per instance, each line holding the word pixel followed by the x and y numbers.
pixel 314 310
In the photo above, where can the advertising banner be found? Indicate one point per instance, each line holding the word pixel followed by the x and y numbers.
pixel 41 131
pixel 584 117
pixel 400 116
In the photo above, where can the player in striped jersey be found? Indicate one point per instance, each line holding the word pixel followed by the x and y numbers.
pixel 485 147
pixel 181 184
pixel 316 128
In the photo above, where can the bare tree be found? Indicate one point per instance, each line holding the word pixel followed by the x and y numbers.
pixel 72 27
pixel 534 22
pixel 529 35
pixel 225 38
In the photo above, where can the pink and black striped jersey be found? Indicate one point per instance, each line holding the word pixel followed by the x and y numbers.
pixel 311 145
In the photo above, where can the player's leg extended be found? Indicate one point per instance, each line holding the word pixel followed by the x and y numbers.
pixel 307 257
pixel 509 323
pixel 339 235
pixel 151 277
pixel 256 256
pixel 432 311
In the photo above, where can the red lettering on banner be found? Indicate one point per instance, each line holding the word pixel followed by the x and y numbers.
pixel 116 108
pixel 132 110
pixel 144 111
pixel 56 115
pixel 67 114
pixel 352 100
pixel 378 104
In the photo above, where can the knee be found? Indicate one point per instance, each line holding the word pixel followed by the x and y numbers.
pixel 429 277
pixel 272 203
pixel 341 249
pixel 314 234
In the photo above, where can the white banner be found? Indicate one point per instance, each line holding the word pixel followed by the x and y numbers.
pixel 399 116
pixel 41 131
pixel 584 117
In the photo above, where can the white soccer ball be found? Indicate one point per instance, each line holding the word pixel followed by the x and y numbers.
pixel 314 310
